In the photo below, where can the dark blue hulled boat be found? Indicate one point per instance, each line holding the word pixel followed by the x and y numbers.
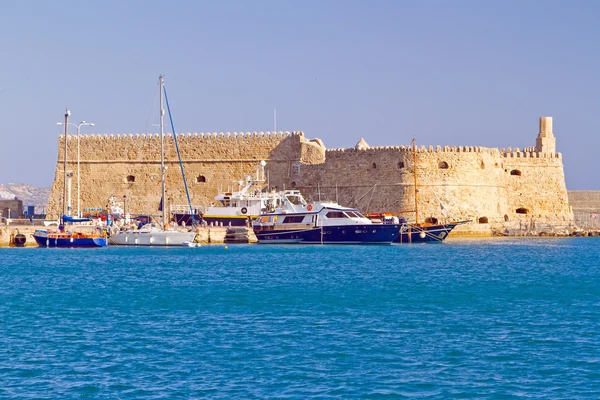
pixel 320 223
pixel 45 238
pixel 422 233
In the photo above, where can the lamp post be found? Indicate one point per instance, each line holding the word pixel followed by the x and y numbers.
pixel 79 125
pixel 124 206
pixel 64 197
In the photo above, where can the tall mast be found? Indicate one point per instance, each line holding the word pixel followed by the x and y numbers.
pixel 64 199
pixel 162 151
pixel 414 143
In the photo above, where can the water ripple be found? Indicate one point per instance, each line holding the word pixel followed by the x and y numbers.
pixel 490 319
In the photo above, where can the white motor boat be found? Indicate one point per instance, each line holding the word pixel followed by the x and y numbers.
pixel 233 207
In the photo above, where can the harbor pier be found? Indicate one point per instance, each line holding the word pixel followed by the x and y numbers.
pixel 8 233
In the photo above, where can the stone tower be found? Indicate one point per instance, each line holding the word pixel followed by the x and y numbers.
pixel 545 142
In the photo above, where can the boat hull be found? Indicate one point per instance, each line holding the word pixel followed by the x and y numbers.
pixel 186 218
pixel 425 234
pixel 339 234
pixel 155 238
pixel 45 239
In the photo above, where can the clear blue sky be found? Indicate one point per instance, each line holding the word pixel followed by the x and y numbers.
pixel 451 72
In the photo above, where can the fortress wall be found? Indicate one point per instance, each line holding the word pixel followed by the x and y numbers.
pixel 537 184
pixel 106 161
pixel 382 179
pixel 585 201
pixel 471 182
pixel 477 183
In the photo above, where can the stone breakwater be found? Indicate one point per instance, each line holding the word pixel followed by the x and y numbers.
pixel 495 188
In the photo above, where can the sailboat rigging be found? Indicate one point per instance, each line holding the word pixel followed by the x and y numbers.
pixel 150 235
pixel 187 191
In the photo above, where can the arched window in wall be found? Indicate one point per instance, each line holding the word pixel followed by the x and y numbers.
pixel 522 210
pixel 400 164
pixel 483 220
pixel 443 165
pixel 130 178
pixel 200 179
pixel 515 172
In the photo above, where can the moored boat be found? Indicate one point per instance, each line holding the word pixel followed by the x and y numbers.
pixel 430 231
pixel 297 222
pixel 149 235
pixel 426 232
pixel 233 207
pixel 63 237
pixel 45 238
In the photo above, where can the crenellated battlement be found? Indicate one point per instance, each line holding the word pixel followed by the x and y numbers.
pixel 195 135
pixel 528 152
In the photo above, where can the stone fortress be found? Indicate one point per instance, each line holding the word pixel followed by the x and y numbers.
pixel 494 188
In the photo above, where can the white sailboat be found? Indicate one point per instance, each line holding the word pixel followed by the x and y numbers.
pixel 149 235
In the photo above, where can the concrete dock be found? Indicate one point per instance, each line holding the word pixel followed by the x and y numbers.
pixel 8 232
pixel 217 235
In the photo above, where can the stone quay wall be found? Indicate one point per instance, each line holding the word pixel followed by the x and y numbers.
pixel 493 187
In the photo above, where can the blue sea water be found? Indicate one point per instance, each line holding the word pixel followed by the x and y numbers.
pixel 464 319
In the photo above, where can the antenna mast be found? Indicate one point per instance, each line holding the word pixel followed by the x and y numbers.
pixel 162 151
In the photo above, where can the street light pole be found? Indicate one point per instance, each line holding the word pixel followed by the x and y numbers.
pixel 64 199
pixel 79 125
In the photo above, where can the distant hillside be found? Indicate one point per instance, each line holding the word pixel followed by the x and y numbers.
pixel 30 195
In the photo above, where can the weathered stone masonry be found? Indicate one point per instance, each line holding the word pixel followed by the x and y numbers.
pixel 488 185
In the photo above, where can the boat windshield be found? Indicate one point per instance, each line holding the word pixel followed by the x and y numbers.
pixel 353 214
pixel 295 199
pixel 336 214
